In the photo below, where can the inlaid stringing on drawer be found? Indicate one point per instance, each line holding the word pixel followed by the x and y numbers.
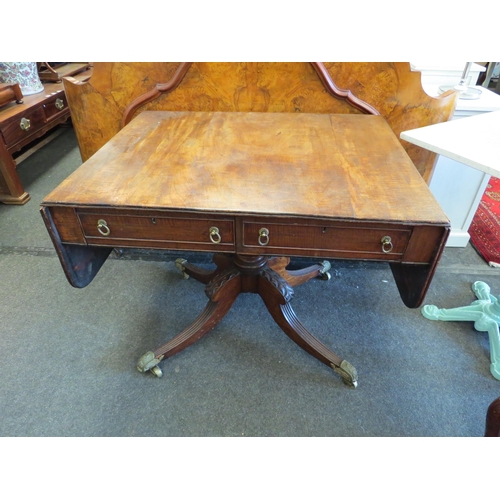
pixel 106 228
pixel 384 242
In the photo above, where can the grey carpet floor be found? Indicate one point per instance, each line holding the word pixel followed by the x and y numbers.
pixel 69 355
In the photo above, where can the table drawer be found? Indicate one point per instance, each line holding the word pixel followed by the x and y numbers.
pixel 22 126
pixel 56 106
pixel 364 242
pixel 158 231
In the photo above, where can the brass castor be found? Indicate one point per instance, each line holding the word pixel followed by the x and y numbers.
pixel 324 273
pixel 179 264
pixel 149 362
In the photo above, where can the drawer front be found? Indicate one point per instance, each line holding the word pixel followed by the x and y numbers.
pixel 328 240
pixel 22 126
pixel 158 231
pixel 56 106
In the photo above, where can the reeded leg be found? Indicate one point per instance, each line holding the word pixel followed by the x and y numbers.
pixel 276 294
pixel 297 277
pixel 222 292
pixel 203 275
pixel 250 274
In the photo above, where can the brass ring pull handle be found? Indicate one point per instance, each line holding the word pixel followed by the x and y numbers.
pixel 102 227
pixel 59 104
pixel 263 236
pixel 386 244
pixel 25 124
pixel 215 235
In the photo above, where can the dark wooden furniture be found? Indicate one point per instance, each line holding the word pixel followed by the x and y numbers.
pixel 55 72
pixel 255 189
pixel 10 92
pixel 492 427
pixel 20 125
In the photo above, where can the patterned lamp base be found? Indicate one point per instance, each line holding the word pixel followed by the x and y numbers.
pixel 23 73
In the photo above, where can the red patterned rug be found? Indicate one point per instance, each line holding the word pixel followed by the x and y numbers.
pixel 485 227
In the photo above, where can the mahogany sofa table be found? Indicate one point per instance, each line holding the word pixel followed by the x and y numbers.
pixel 254 189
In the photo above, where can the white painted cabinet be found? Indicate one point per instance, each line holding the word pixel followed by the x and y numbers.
pixel 457 187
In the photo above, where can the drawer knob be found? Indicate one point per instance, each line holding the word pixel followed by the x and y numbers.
pixel 386 244
pixel 215 235
pixel 25 124
pixel 263 236
pixel 59 104
pixel 102 227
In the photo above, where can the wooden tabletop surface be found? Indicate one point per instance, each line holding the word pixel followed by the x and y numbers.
pixel 345 166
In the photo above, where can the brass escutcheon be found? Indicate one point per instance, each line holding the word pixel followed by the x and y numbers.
pixel 386 244
pixel 102 227
pixel 25 124
pixel 263 236
pixel 59 104
pixel 214 235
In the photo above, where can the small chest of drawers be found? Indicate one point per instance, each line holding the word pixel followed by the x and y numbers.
pixel 20 125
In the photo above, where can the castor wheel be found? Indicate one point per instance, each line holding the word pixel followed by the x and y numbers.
pixel 179 264
pixel 324 273
pixel 156 370
pixel 149 362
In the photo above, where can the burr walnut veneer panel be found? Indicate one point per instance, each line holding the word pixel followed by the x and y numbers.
pixel 98 106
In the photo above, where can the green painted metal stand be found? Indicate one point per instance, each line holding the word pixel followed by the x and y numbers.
pixel 485 312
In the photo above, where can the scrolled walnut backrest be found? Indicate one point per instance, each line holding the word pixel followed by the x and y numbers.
pixel 183 68
pixel 118 91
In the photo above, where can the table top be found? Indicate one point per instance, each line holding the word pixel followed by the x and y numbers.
pixel 345 166
pixel 472 141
